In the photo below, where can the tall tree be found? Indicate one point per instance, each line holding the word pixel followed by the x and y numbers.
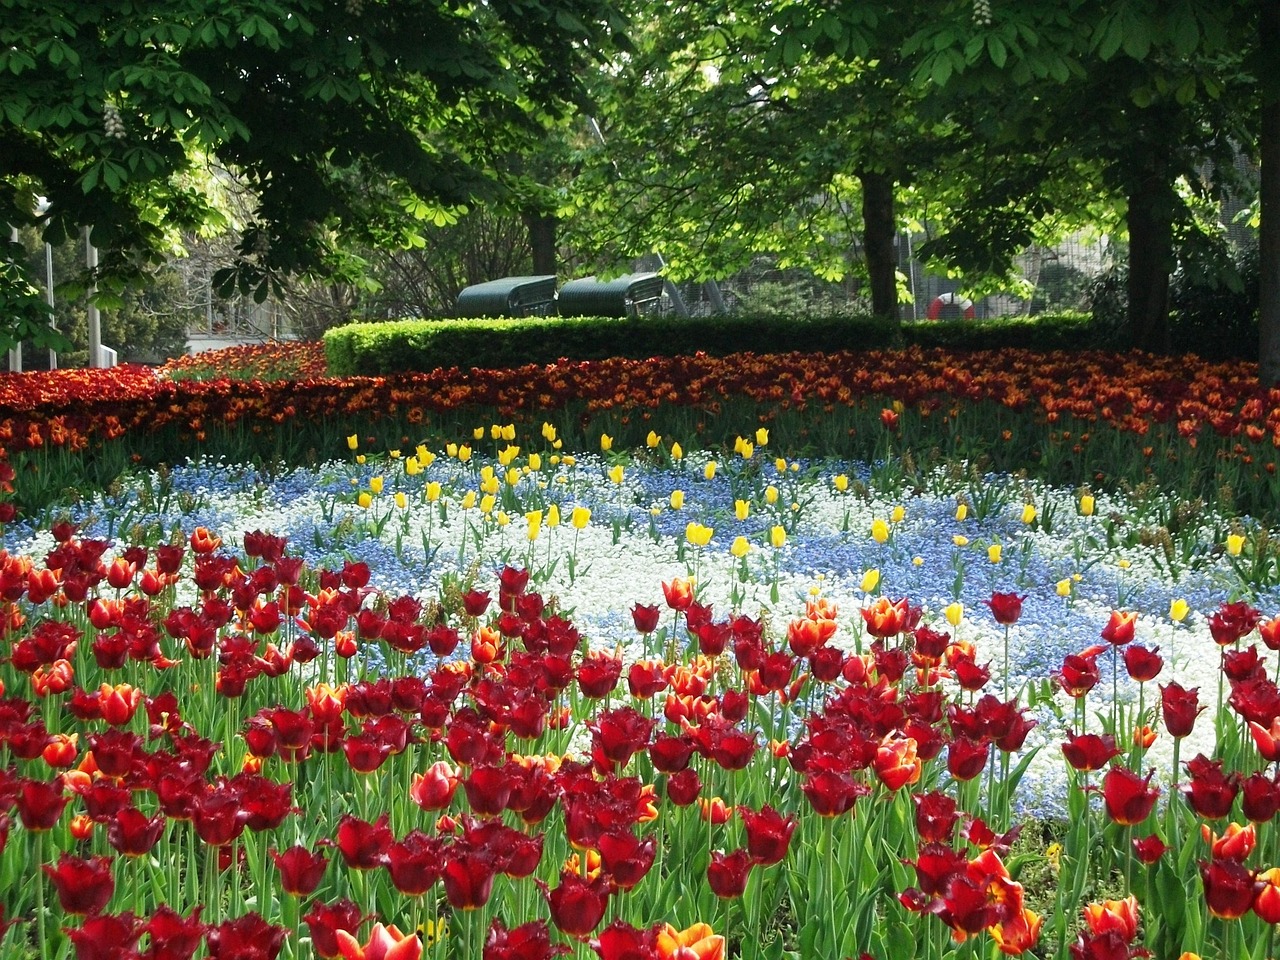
pixel 126 115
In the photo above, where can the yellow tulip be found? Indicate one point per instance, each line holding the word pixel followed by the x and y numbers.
pixel 879 531
pixel 534 519
pixel 412 467
pixel 771 494
pixel 677 451
pixel 375 484
pixel 489 485
pixel 1123 563
pixel 507 454
pixel 762 437
pixel 1064 587
pixel 677 499
pixel 569 460
pixel 553 515
pixel 364 500
pixel 1086 505
pixel 606 443
pixel 960 540
pixel 697 534
pixel 548 432
pixel 508 432
pixel 503 519
pixel 870 580
pixel 954 612
pixel 1235 544
pixel 709 471
pixel 1178 610
pixel 962 511
pixel 994 552
pixel 841 482
pixel 353 441
pixel 740 547
pixel 741 509
pixel 917 561
pixel 464 453
pixel 513 476
pixel 451 449
pixel 468 500
pixel 477 433
pixel 393 454
pixel 495 431
pixel 401 500
pixel 580 517
pixel 615 473
pixel 423 454
pixel 535 462
pixel 487 503
pixel 780 464
pixel 747 450
pixel 1028 514
pixel 777 537
pixel 360 458
pixel 433 491
pixel 898 515
pixel 652 440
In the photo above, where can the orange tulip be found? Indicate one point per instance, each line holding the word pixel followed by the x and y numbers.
pixel 697 942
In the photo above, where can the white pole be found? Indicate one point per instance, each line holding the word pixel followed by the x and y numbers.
pixel 48 295
pixel 15 352
pixel 95 319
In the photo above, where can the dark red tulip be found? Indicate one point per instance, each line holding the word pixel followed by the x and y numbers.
pixel 475 602
pixel 1129 798
pixel 968 674
pixel 683 787
pixel 83 886
pixel 1089 751
pixel 521 853
pixel 626 858
pixel 265 802
pixel 219 817
pixel 936 817
pixel 1142 664
pixel 116 752
pixel 670 753
pixel 325 920
pixel 133 833
pixel 1232 622
pixel 1179 707
pixel 768 833
pixel 488 789
pixel 173 936
pixel 414 863
pixel 300 870
pixel 645 617
pixel 1149 849
pixel 105 937
pixel 1256 699
pixel 529 941
pixel 1210 791
pixel 1006 608
pixel 248 937
pixel 598 674
pixel 1079 675
pixel 621 732
pixel 364 845
pixel 468 876
pixel 621 941
pixel 1229 888
pixel 646 678
pixel 727 874
pixel 966 757
pixel 936 866
pixel 293 728
pixel 40 803
pixel 365 752
pixel 1259 797
pixel 1244 665
pixel 578 904
pixel 830 793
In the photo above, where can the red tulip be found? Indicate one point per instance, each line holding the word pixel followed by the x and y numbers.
pixel 133 833
pixel 1259 797
pixel 40 803
pixel 683 787
pixel 364 845
pixel 1079 675
pixel 1228 888
pixel 1179 707
pixel 434 789
pixel 1006 608
pixel 1149 849
pixel 727 873
pixel 1266 902
pixel 1236 843
pixel 678 593
pixel 245 937
pixel 300 870
pixel 174 937
pixel 936 817
pixel 621 732
pixel 1210 792
pixel 1089 751
pixel 966 757
pixel 897 763
pixel 578 904
pixel 1141 663
pixel 468 876
pixel 830 793
pixel 83 886
pixel 414 863
pixel 645 617
pixel 1113 916
pixel 885 618
pixel 1119 628
pixel 325 920
pixel 1129 799
pixel 1232 622
pixel 625 858
pixel 768 834
pixel 475 602
pixel 529 941
pixel 104 937
pixel 598 674
pixel 621 941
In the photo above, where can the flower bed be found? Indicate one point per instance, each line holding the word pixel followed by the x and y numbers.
pixel 645 703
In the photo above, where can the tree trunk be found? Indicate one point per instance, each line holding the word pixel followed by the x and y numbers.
pixel 879 227
pixel 542 241
pixel 1269 233
pixel 1150 221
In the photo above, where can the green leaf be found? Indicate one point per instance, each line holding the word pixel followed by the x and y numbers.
pixel 941 71
pixel 999 52
pixel 1137 40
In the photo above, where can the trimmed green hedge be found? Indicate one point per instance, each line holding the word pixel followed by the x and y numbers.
pixel 401 346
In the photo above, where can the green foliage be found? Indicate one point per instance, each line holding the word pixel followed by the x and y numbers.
pixel 377 349
pixel 1216 315
pixel 22 306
